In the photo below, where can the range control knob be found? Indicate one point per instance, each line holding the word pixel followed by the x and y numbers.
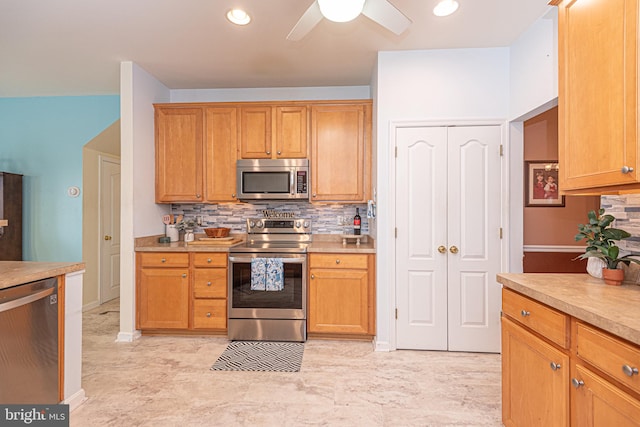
pixel 252 224
pixel 297 224
pixel 306 224
pixel 260 224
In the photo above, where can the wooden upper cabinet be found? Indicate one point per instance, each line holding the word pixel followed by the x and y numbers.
pixel 221 153
pixel 273 132
pixel 340 152
pixel 178 154
pixel 598 97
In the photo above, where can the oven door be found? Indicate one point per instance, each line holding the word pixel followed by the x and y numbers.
pixel 288 303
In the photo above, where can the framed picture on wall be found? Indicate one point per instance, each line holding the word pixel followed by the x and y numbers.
pixel 541 184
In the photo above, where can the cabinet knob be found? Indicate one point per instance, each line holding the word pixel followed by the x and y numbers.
pixel 279 152
pixel 629 370
pixel 233 195
pixel 337 261
pixel 209 260
pixel 208 314
pixel 313 276
pixel 442 249
pixel 525 313
pixel 268 152
pixel 453 249
pixel 184 275
pixel 208 283
pixel 626 169
pixel 163 260
pixel 107 237
pixel 555 366
pixel 577 383
pixel 314 194
pixel 198 196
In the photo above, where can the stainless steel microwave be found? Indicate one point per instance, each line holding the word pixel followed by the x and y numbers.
pixel 277 179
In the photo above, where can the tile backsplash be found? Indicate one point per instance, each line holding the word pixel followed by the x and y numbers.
pixel 233 215
pixel 626 209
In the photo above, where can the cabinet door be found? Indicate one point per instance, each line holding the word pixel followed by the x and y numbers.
pixel 221 153
pixel 596 402
pixel 597 92
pixel 339 301
pixel 255 132
pixel 340 152
pixel 178 154
pixel 291 132
pixel 163 299
pixel 533 392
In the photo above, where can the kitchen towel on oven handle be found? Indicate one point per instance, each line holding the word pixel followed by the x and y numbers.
pixel 258 274
pixel 275 274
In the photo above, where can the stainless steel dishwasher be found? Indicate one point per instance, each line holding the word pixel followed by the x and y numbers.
pixel 29 343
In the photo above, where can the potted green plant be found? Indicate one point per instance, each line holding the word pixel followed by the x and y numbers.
pixel 601 238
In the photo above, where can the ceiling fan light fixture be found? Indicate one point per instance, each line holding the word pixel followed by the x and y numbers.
pixel 445 8
pixel 341 10
pixel 238 17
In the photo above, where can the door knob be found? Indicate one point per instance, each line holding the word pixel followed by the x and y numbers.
pixel 442 249
pixel 107 237
pixel 453 249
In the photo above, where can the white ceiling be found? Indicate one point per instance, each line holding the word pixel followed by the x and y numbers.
pixel 74 47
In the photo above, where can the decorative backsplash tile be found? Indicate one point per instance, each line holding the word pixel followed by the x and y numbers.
pixel 626 209
pixel 233 215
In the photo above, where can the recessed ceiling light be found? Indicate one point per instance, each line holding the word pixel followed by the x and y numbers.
pixel 238 17
pixel 341 10
pixel 445 8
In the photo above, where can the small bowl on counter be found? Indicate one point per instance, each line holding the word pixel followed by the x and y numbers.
pixel 217 232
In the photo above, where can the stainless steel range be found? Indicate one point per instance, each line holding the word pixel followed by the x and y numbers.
pixel 268 280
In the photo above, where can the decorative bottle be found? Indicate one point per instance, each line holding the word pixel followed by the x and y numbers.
pixel 356 222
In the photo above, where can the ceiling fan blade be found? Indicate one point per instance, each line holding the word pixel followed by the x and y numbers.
pixel 387 15
pixel 306 23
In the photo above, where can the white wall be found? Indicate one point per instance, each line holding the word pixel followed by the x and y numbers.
pixel 436 85
pixel 534 67
pixel 270 94
pixel 140 216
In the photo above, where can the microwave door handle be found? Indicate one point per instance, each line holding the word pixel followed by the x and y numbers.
pixel 292 183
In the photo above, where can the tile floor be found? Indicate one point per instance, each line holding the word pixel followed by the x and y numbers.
pixel 166 381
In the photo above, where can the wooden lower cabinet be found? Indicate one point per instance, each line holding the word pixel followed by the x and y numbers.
pixel 584 380
pixel 341 294
pixel 534 393
pixel 597 402
pixel 163 298
pixel 181 291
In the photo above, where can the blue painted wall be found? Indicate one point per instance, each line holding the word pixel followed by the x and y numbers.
pixel 42 139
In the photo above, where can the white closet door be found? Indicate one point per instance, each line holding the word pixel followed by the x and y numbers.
pixel 474 229
pixel 421 220
pixel 448 243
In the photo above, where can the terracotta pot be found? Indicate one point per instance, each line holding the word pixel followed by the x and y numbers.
pixel 613 277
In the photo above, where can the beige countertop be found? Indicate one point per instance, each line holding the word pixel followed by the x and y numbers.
pixel 325 243
pixel 18 272
pixel 614 309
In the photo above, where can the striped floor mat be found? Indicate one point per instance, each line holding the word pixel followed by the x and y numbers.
pixel 260 356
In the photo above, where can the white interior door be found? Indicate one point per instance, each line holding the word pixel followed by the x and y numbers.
pixel 448 243
pixel 110 229
pixel 474 229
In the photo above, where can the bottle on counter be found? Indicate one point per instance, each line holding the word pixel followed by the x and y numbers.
pixel 356 222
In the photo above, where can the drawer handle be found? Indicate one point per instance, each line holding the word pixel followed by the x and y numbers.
pixel 209 260
pixel 184 275
pixel 525 313
pixel 337 261
pixel 208 314
pixel 576 382
pixel 555 366
pixel 629 371
pixel 163 260
pixel 208 283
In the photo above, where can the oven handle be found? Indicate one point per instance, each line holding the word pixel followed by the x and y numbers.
pixel 297 260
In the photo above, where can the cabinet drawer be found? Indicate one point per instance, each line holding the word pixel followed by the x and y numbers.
pixel 210 314
pixel 338 261
pixel 210 259
pixel 611 355
pixel 164 259
pixel 546 321
pixel 210 283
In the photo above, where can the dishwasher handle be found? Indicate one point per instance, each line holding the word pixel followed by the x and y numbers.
pixel 26 299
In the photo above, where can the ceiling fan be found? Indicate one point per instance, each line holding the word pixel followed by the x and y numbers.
pixel 380 11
